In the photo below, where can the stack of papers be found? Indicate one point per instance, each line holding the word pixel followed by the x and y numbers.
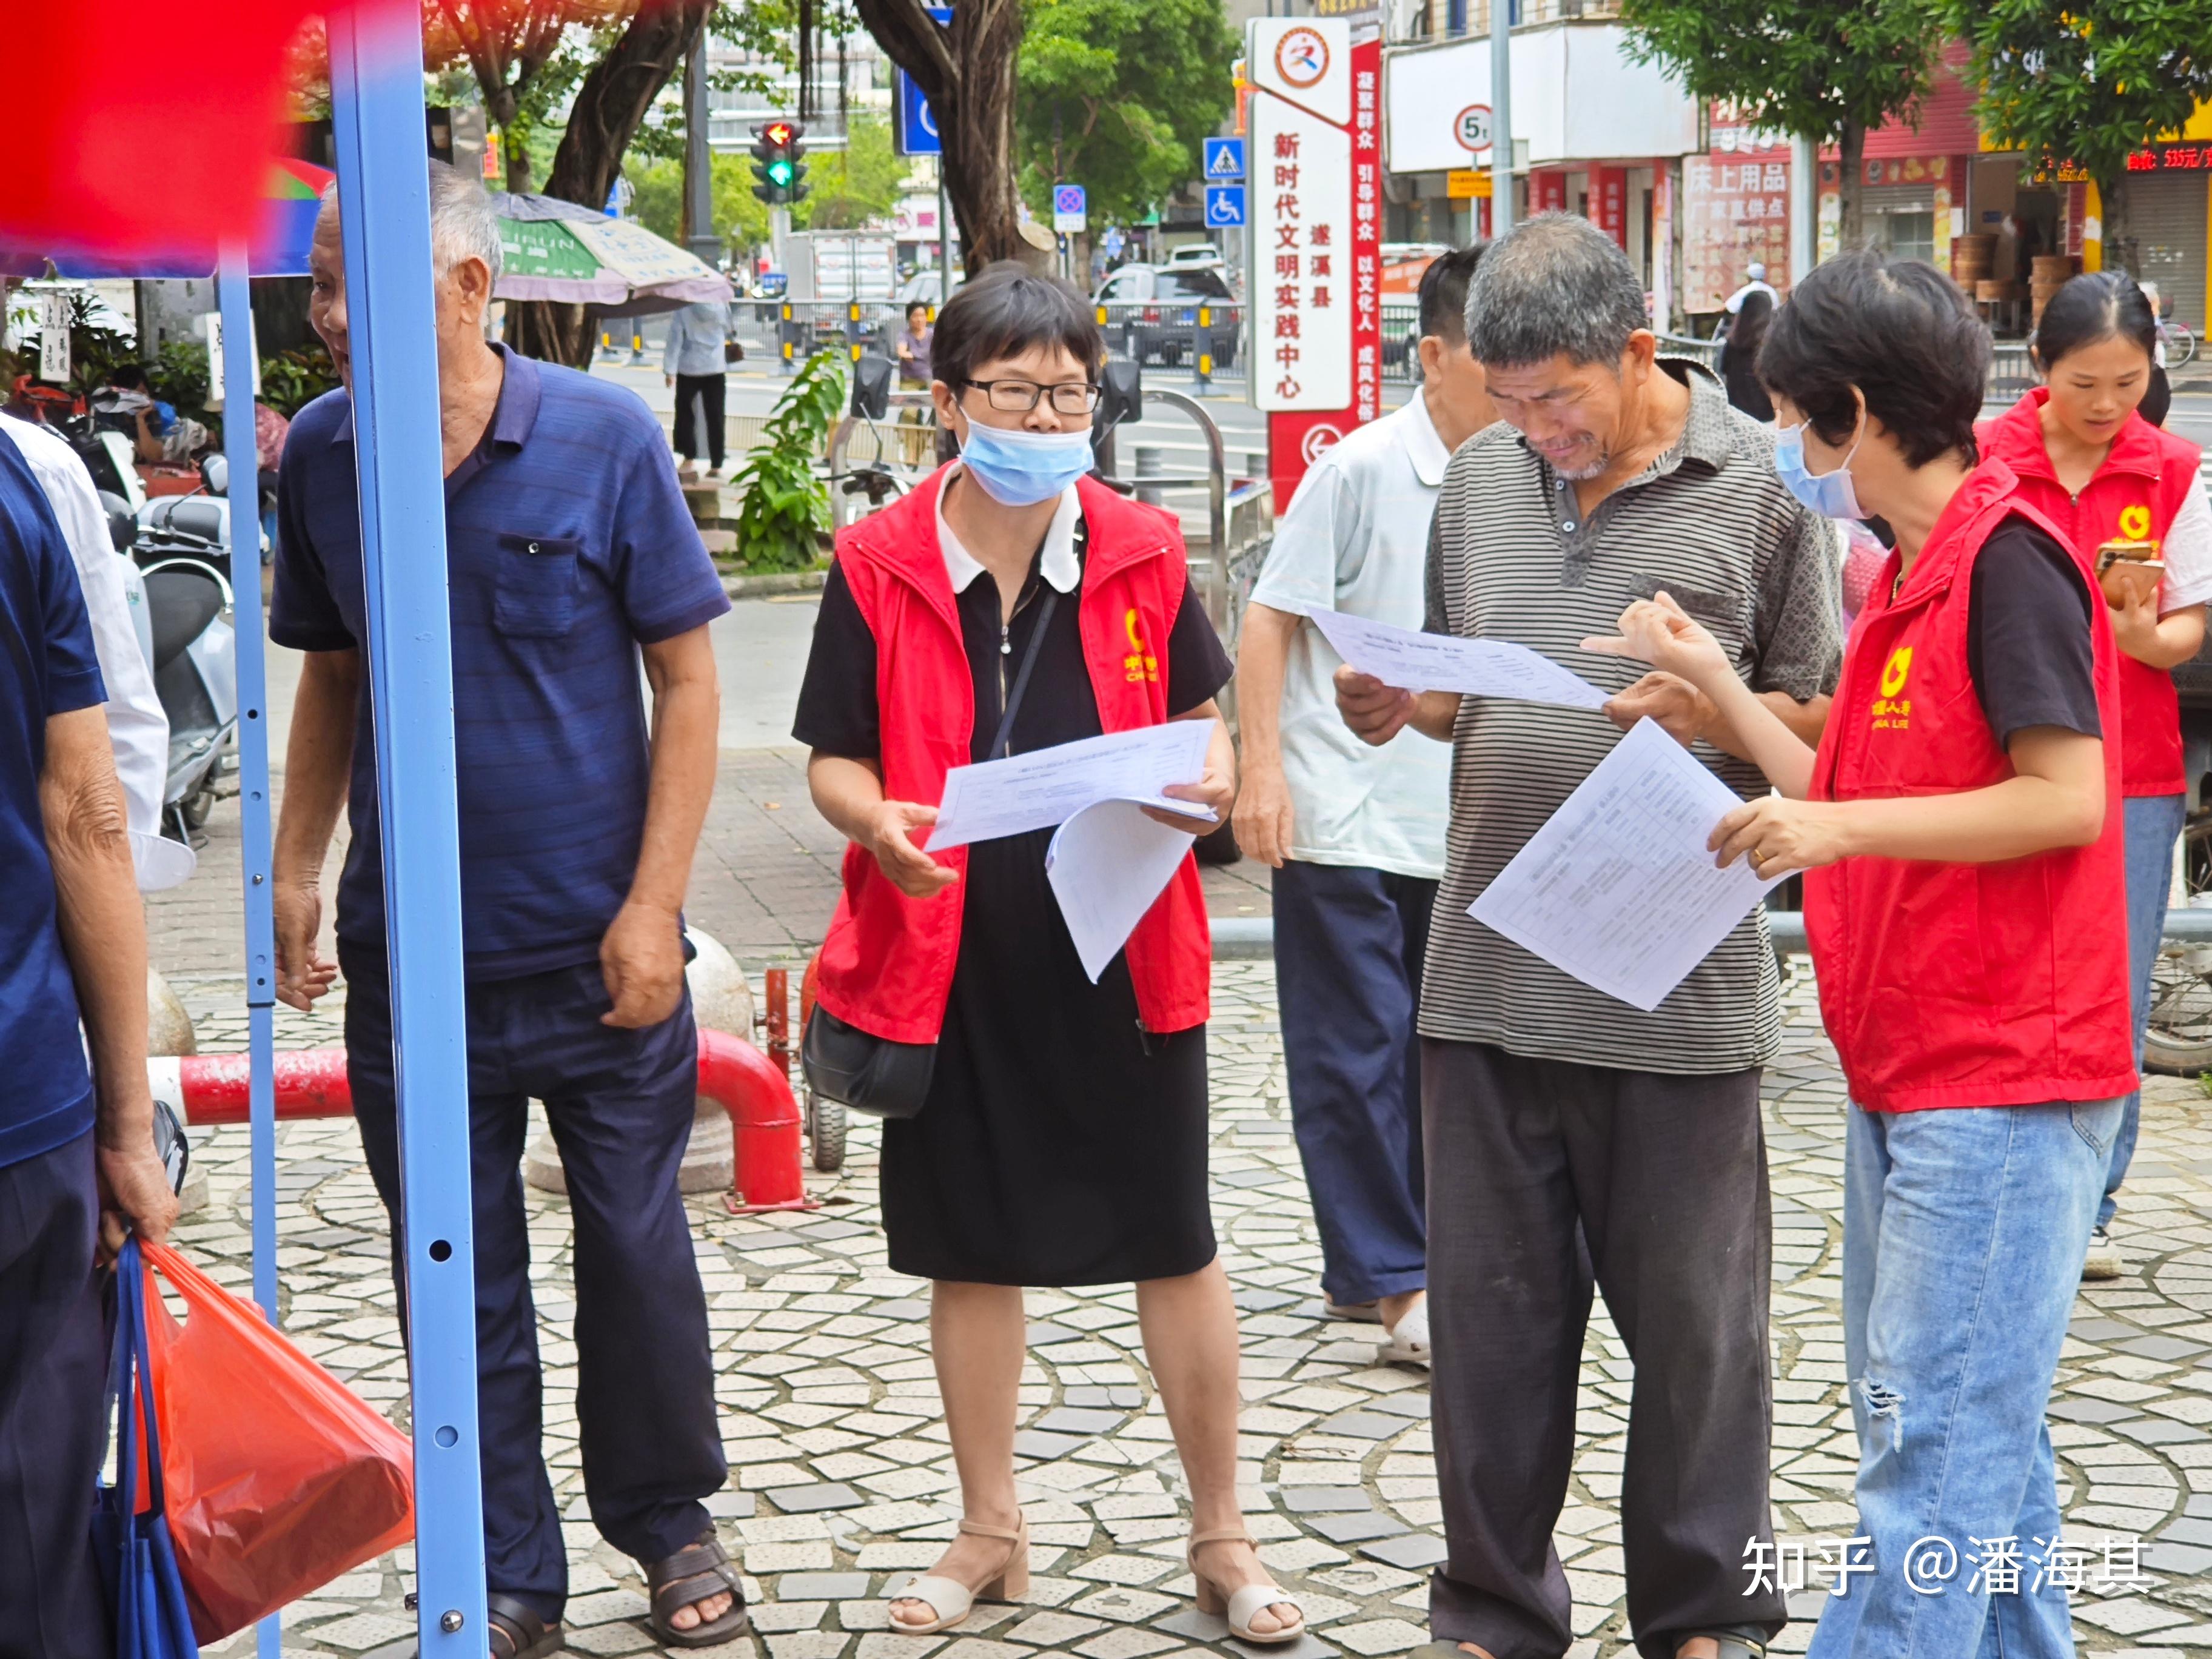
pixel 1415 661
pixel 1617 888
pixel 1109 862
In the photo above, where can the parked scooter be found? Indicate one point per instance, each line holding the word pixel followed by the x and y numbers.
pixel 179 544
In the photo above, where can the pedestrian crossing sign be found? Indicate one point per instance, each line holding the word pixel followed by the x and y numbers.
pixel 1225 159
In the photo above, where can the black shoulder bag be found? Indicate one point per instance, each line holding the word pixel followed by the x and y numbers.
pixel 872 1074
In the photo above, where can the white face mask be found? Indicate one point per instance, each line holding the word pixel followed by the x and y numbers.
pixel 1019 468
pixel 1832 495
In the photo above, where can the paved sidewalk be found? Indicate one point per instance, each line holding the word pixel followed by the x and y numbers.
pixel 841 1479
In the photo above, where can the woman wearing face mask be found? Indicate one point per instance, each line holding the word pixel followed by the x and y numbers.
pixel 1009 604
pixel 2089 461
pixel 1962 865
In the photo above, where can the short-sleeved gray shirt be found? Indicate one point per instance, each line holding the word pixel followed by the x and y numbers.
pixel 1510 558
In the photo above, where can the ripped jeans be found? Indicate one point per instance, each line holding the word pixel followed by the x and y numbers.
pixel 1964 1232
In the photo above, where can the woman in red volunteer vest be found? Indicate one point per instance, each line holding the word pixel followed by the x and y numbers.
pixel 1062 1135
pixel 2090 462
pixel 1960 832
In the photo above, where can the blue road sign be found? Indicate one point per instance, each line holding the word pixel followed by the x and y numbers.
pixel 1224 207
pixel 1114 242
pixel 1225 159
pixel 917 133
pixel 1070 208
pixel 917 123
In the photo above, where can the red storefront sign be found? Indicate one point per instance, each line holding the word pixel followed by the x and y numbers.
pixel 1547 192
pixel 1608 202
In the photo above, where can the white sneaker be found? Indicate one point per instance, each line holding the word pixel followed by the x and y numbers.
pixel 2103 1262
pixel 1360 1313
pixel 1407 1342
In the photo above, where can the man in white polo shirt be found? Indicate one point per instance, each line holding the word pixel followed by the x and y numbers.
pixel 1356 835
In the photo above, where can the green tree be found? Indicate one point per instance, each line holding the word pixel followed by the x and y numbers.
pixel 739 217
pixel 849 187
pixel 1115 96
pixel 2088 85
pixel 1827 71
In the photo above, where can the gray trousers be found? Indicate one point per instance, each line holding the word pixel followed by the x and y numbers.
pixel 1539 1174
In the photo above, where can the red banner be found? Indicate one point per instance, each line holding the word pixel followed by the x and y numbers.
pixel 1609 203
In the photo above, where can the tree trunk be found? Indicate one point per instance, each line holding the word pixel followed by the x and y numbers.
pixel 967 73
pixel 2120 249
pixel 1851 176
pixel 610 106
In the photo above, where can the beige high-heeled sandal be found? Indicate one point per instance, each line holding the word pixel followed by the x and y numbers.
pixel 952 1601
pixel 1239 1606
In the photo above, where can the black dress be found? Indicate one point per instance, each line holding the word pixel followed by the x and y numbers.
pixel 1062 1144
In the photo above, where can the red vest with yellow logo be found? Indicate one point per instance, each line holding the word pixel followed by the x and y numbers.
pixel 2132 497
pixel 887 963
pixel 1961 984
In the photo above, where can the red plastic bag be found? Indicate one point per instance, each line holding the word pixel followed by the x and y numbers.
pixel 279 1477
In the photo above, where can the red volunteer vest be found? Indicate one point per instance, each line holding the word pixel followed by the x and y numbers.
pixel 1961 984
pixel 887 963
pixel 2132 497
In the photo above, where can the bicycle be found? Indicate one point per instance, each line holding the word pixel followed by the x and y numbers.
pixel 2180 342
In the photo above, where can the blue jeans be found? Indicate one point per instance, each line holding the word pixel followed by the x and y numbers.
pixel 2153 825
pixel 1964 1232
pixel 1348 949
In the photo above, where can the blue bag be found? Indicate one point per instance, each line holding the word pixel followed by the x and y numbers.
pixel 145 1591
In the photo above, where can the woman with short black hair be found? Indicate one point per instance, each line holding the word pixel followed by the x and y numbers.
pixel 1961 874
pixel 2130 497
pixel 1010 604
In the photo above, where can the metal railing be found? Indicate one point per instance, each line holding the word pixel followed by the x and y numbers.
pixel 1431 22
pixel 2011 373
pixel 800 328
pixel 1207 337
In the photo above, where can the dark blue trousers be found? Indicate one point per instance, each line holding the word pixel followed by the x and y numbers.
pixel 619 1106
pixel 53 1371
pixel 1348 949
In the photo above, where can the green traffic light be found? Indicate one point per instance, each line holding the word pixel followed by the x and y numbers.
pixel 779 172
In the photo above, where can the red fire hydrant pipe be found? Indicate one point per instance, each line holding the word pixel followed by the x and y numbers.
pixel 311 1083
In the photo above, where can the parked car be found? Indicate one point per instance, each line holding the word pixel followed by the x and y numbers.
pixel 1151 313
pixel 1202 254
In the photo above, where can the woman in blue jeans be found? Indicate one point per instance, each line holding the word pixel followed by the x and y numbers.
pixel 1962 875
pixel 2087 457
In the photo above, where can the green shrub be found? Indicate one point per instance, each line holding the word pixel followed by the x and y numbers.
pixel 786 510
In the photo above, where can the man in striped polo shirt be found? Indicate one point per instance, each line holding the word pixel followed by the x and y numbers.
pixel 1568 1134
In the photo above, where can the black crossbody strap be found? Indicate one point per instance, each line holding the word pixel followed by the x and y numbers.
pixel 1004 733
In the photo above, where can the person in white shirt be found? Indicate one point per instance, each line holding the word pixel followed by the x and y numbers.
pixel 1754 282
pixel 115 598
pixel 1355 835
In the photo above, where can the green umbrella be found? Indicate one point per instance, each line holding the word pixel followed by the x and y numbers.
pixel 558 250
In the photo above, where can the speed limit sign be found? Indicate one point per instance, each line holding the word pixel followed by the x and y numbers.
pixel 1471 126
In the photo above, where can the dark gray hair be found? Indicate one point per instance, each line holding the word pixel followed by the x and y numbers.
pixel 1553 284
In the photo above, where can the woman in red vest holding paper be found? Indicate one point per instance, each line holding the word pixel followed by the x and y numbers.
pixel 1959 833
pixel 2129 497
pixel 1011 604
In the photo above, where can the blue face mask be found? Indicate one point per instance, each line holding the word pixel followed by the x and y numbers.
pixel 1020 469
pixel 1830 494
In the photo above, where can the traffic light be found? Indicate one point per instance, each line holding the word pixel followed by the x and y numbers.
pixel 779 162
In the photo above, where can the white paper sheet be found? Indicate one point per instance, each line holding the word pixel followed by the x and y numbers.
pixel 1416 661
pixel 1048 787
pixel 1107 864
pixel 1618 888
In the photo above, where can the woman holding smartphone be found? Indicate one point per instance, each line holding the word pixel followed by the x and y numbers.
pixel 2130 498
pixel 1962 874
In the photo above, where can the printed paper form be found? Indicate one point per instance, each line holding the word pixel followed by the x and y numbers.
pixel 1048 787
pixel 1617 888
pixel 1107 864
pixel 1415 661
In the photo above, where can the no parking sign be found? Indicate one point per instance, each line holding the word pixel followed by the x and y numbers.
pixel 1069 208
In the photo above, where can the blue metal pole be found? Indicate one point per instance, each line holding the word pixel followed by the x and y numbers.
pixel 376 105
pixel 242 453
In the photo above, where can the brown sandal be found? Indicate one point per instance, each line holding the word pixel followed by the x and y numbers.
pixel 692 1573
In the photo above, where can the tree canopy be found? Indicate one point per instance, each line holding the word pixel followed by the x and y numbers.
pixel 1115 96
pixel 1823 70
pixel 2089 84
pixel 849 188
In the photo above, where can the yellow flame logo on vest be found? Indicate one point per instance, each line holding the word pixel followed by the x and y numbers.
pixel 1892 710
pixel 1141 665
pixel 2134 522
pixel 1894 671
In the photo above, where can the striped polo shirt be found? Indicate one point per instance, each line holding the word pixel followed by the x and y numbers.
pixel 1510 557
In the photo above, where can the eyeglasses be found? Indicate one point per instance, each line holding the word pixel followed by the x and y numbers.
pixel 1019 397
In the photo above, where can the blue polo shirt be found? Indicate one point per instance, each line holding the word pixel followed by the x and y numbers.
pixel 47 668
pixel 567 545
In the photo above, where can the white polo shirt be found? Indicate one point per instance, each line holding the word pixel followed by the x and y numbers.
pixel 1355 539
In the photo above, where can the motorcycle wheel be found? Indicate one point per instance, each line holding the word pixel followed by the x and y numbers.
pixel 194 808
pixel 825 1132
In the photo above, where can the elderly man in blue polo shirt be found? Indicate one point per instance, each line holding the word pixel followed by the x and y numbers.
pixel 568 553
pixel 77 1164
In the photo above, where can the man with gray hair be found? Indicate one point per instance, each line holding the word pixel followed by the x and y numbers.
pixel 1568 1134
pixel 569 554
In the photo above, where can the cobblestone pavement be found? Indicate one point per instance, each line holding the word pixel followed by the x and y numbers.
pixel 840 1478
